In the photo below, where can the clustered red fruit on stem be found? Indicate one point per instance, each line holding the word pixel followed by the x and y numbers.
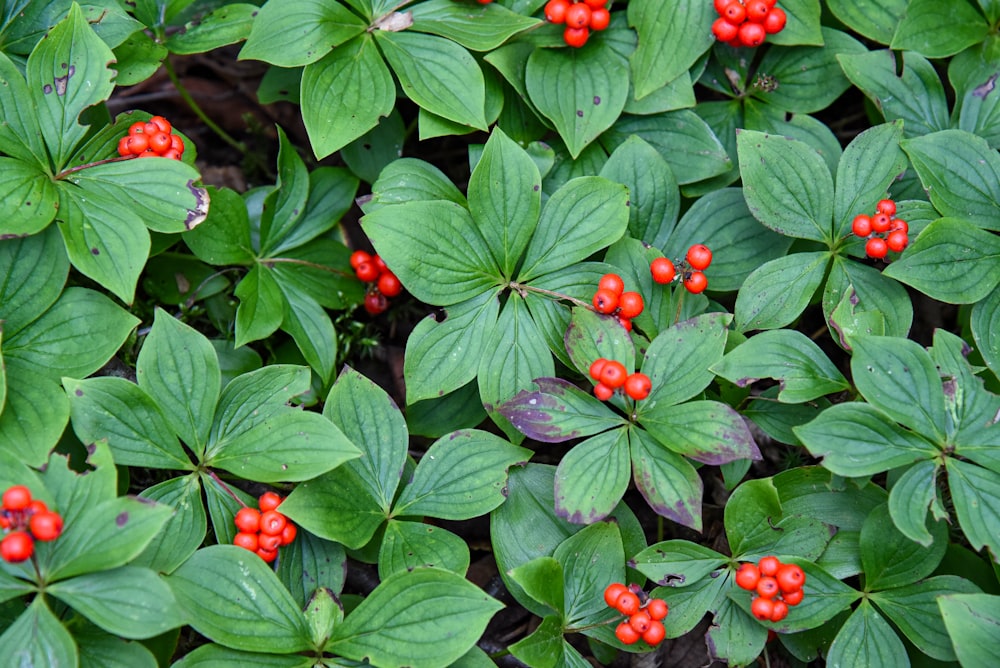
pixel 383 283
pixel 151 139
pixel 611 299
pixel 691 273
pixel 777 586
pixel 644 614
pixel 883 230
pixel 580 17
pixel 611 375
pixel 747 22
pixel 263 531
pixel 23 521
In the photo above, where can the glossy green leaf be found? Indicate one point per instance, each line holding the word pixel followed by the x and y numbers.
pixel 677 563
pixel 975 492
pixel 34 274
pixel 871 162
pixel 310 563
pixel 973 623
pixel 590 336
pixel 558 411
pixel 38 638
pixel 543 648
pixel 909 498
pixel 261 308
pixel 210 655
pixel 709 432
pixel 338 505
pixel 476 28
pixel 866 639
pixel 914 610
pixel 410 545
pixel 592 477
pixel 31 201
pixel 224 237
pixel 542 580
pixel 20 136
pixel 590 559
pixel 867 295
pixel 734 636
pixel 920 29
pixel 678 359
pixel 985 323
pixel 672 37
pixel 875 20
pixel 183 533
pixel 654 198
pixel 225 25
pixel 312 330
pixel 299 33
pixel 98 648
pixel 748 511
pixel 284 205
pixel 35 413
pixel 668 482
pixel 410 179
pixel 890 559
pixel 777 292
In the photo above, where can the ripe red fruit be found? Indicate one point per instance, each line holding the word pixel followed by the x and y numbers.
pixel 757 10
pixel 268 541
pixel 612 282
pixel 897 241
pixel 576 37
pixel 359 256
pixel 17 497
pixel 600 19
pixel 699 257
pixel 171 154
pixel 555 11
pixel 246 540
pixel 663 270
pixel 775 20
pixel 595 4
pixel 16 546
pixel 149 128
pixel 768 566
pixel 605 301
pixel 637 386
pixel 578 16
pixel 46 525
pixel 375 302
pixel 159 142
pixel 627 634
pixel 625 322
pixel 657 609
pixel 288 534
pixel 876 248
pixel 747 576
pixel 612 592
pixel 123 146
pixel 886 206
pixel 176 143
pixel 881 222
pixel 138 143
pixel 137 128
pixel 367 272
pixel 267 555
pixel 720 5
pixel 595 372
pixel 37 506
pixel 793 597
pixel 735 13
pixel 603 392
pixel 247 519
pixel 862 225
pixel 630 304
pixel 724 31
pixel 761 608
pixel 898 224
pixel 696 282
pixel 779 611
pixel 627 604
pixel 752 34
pixel 767 586
pixel 640 621
pixel 269 501
pixel 790 578
pixel 272 522
pixel 389 285
pixel 613 375
pixel 655 634
pixel 161 123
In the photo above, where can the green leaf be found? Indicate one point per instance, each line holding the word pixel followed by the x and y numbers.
pixel 224 237
pixel 973 623
pixel 35 270
pixel 435 248
pixel 34 415
pixel 985 324
pixel 421 618
pixel 311 329
pixel 654 198
pixel 920 29
pixel 476 28
pixel 410 179
pixel 590 559
pixel 734 636
pixel 284 205
pixel 912 493
pixel 20 134
pixel 310 563
pixel 672 37
pixel 582 92
pixel 856 439
pixel 709 432
pixel 866 295
pixel 437 74
pixel 211 655
pixel 590 336
pixel 677 563
pixel 178 367
pixel 802 369
pixel 331 195
pixel 668 482
pixel 951 260
pixel 184 532
pixel 871 162
pixel 875 20
pixel 786 184
pixel 777 292
pixel 225 25
pixel 339 506
pixel 960 173
pixel 299 33
pixel 257 395
pixel 261 308
pixel 803 27
pixel 460 476
pixel 98 648
pixel 890 559
pixel 129 601
pixel 410 545
pixel 749 512
pixel 914 95
pixel 558 411
pixel 66 73
pixel 232 597
pixel 31 198
pixel 592 477
pixel 866 639
pixel 975 492
pixel 38 638
pixel 542 580
pixel 544 647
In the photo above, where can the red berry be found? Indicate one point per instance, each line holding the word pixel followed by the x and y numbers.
pixel 886 206
pixel 793 597
pixel 359 256
pixel 725 31
pixel 246 540
pixel 367 272
pixel 269 501
pixel 380 263
pixel 267 555
pixel 876 248
pixel 603 392
pixel 46 525
pixel 149 154
pixel 37 506
pixel 637 386
pixel 897 241
pixel 663 270
pixel 16 546
pixel 752 34
pixel 288 534
pixel 605 301
pixel 123 146
pixel 268 541
pixel 769 566
pixel 898 224
pixel 595 369
pixel 612 282
pixel 767 586
pixel 137 128
pixel 657 609
pixel 790 578
pixel 640 621
pixel 630 304
pixel 247 520
pixel 627 604
pixel 699 257
pixel 775 20
pixel 159 142
pixel 555 11
pixel 747 576
pixel 655 634
pixel 612 592
pixel 595 4
pixel 779 611
pixel 613 375
pixel 625 322
pixel 576 37
pixel 881 222
pixel 161 123
pixel 149 128
pixel 862 225
pixel 389 285
pixel 696 282
pixel 762 608
pixel 171 154
pixel 627 634
pixel 272 522
pixel 578 16
pixel 17 497
pixel 375 302
pixel 176 143
pixel 735 13
pixel 757 10
pixel 600 19
pixel 138 143
pixel 720 5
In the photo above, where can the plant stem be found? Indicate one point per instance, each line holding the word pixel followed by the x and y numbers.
pixel 521 288
pixel 305 263
pixel 198 111
pixel 224 486
pixel 72 170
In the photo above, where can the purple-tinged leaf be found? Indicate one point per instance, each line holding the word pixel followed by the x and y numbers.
pixel 557 412
pixel 706 431
pixel 668 482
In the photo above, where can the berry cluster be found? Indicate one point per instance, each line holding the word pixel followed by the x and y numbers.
pixel 263 531
pixel 580 17
pixel 895 230
pixel 611 375
pixel 151 139
pixel 777 586
pixel 25 520
pixel 384 284
pixel 611 299
pixel 692 269
pixel 747 22
pixel 644 619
